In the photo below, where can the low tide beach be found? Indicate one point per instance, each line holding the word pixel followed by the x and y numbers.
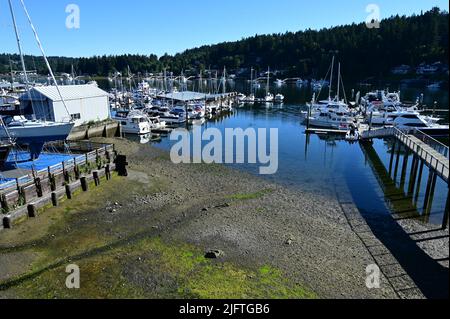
pixel 146 236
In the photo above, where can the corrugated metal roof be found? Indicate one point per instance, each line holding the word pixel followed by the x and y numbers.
pixel 69 92
pixel 183 96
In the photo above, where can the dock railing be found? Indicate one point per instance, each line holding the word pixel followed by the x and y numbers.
pixel 440 166
pixel 432 142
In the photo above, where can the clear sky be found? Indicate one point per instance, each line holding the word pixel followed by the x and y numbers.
pixel 155 26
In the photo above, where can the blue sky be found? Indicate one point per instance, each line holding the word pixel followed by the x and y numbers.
pixel 154 26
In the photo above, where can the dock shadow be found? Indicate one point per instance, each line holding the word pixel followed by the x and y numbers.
pixel 429 276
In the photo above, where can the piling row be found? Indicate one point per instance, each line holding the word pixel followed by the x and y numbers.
pixel 56 184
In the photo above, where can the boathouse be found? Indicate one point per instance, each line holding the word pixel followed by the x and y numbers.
pixel 85 103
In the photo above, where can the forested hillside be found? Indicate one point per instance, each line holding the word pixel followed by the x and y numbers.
pixel 363 52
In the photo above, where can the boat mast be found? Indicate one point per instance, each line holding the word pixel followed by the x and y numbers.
pixel 224 89
pixel 251 81
pixel 44 56
pixel 339 81
pixel 268 81
pixel 331 79
pixel 19 45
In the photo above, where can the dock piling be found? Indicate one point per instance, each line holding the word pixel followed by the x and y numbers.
pixel 84 184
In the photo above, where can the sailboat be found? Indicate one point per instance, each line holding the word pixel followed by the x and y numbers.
pixel 269 96
pixel 32 132
pixel 251 97
pixel 332 113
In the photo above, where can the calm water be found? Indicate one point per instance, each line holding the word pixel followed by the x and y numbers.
pixel 324 165
pixel 327 165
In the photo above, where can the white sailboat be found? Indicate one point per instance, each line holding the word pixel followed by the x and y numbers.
pixel 269 96
pixel 332 113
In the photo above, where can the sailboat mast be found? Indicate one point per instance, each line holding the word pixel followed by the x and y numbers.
pixel 268 80
pixel 224 89
pixel 251 81
pixel 339 81
pixel 19 45
pixel 44 56
pixel 331 78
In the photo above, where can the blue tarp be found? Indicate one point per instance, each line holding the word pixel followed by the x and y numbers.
pixel 21 160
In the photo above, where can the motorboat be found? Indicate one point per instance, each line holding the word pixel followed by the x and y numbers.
pixel 170 117
pixel 332 120
pixel 279 98
pixel 133 122
pixel 269 98
pixel 408 121
pixel 241 98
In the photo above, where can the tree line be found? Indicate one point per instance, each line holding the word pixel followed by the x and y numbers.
pixel 363 52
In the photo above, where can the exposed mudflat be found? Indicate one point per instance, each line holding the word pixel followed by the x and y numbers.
pixel 145 236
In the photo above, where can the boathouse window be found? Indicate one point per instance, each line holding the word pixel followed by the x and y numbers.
pixel 75 117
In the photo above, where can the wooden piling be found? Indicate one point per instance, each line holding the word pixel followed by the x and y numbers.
pixel 429 193
pixel 38 184
pixel 419 182
pixel 68 191
pixel 404 169
pixel 4 203
pixel 32 211
pixel 391 162
pixel 413 175
pixel 108 172
pixel 397 163
pixel 6 223
pixel 84 184
pixel 55 199
pixel 96 178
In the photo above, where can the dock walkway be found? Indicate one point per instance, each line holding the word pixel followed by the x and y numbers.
pixel 435 158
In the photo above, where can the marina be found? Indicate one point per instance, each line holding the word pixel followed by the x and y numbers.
pixel 275 167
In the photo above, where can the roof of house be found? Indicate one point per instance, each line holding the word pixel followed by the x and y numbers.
pixel 68 92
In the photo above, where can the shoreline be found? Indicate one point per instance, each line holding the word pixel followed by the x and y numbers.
pixel 301 243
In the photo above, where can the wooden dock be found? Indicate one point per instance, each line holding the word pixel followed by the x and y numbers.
pixel 437 161
pixel 425 151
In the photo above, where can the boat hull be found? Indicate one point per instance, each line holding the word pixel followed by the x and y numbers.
pixel 36 136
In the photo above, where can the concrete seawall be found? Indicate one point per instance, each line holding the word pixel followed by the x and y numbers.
pixel 104 129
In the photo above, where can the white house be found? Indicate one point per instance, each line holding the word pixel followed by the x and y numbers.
pixel 85 103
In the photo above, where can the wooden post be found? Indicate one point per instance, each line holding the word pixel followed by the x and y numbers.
pixel 38 184
pixel 96 178
pixel 108 172
pixel 4 203
pixel 52 182
pixel 397 162
pixel 77 172
pixel 54 199
pixel 419 182
pixel 391 162
pixel 68 191
pixel 429 194
pixel 6 223
pixel 404 169
pixel 32 211
pixel 413 175
pixel 84 184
